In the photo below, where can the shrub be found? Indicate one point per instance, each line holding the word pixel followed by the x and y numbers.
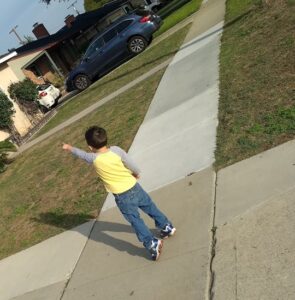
pixel 6 111
pixel 58 80
pixel 5 146
pixel 25 90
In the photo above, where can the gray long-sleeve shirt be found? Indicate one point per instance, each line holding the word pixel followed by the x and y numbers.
pixel 114 167
pixel 89 157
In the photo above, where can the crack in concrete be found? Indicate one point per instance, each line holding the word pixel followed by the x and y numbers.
pixel 65 287
pixel 236 270
pixel 71 274
pixel 211 273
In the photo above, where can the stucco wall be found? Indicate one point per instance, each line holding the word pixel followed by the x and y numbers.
pixel 21 122
pixel 3 135
pixel 7 76
pixel 17 63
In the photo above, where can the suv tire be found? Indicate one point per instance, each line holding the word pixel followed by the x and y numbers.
pixel 81 82
pixel 137 44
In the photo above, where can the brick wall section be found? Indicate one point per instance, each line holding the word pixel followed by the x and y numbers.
pixel 44 66
pixel 33 77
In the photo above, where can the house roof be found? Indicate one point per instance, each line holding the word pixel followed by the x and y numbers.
pixel 3 55
pixel 82 22
pixel 6 57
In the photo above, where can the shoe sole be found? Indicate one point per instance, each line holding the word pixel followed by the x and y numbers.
pixel 159 250
pixel 170 234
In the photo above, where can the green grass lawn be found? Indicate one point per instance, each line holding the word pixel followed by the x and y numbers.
pixel 179 15
pixel 236 8
pixel 257 86
pixel 119 77
pixel 46 191
pixel 5 146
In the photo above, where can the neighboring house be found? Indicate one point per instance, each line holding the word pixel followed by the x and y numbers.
pixel 10 74
pixel 60 52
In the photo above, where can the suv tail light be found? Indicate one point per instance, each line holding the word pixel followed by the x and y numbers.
pixel 145 19
pixel 42 94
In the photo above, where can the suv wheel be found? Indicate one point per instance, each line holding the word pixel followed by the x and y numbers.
pixel 137 44
pixel 81 82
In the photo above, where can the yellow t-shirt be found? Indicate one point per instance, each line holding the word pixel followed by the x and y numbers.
pixel 115 176
pixel 114 167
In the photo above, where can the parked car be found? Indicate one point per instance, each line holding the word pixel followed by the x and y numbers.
pixel 127 36
pixel 47 96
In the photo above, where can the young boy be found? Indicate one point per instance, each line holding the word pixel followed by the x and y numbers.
pixel 118 174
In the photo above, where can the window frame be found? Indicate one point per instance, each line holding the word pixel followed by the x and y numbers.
pixel 110 30
pixel 124 21
pixel 94 48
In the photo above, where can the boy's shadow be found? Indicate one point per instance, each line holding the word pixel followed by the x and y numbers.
pixel 98 232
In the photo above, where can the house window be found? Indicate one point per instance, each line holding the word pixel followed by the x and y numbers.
pixel 127 8
pixel 35 70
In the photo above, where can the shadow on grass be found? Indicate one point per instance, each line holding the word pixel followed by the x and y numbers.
pixel 65 221
pixel 102 231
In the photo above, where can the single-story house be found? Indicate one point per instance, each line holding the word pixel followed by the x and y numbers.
pixel 10 73
pixel 59 52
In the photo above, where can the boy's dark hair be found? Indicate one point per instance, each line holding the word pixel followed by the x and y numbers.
pixel 96 137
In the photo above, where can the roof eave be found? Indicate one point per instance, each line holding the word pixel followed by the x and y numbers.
pixel 8 57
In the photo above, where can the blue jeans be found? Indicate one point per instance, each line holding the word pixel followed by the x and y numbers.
pixel 129 202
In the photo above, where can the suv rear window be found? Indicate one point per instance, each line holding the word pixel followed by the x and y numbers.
pixel 123 25
pixel 110 35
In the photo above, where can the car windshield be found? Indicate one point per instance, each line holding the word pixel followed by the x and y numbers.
pixel 95 46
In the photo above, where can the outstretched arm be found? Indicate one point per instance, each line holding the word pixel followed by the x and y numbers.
pixel 88 157
pixel 67 147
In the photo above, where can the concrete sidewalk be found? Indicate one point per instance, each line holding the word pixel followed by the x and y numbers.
pixel 176 140
pixel 114 265
pixel 183 110
pixel 179 131
pixel 255 219
pixel 252 201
